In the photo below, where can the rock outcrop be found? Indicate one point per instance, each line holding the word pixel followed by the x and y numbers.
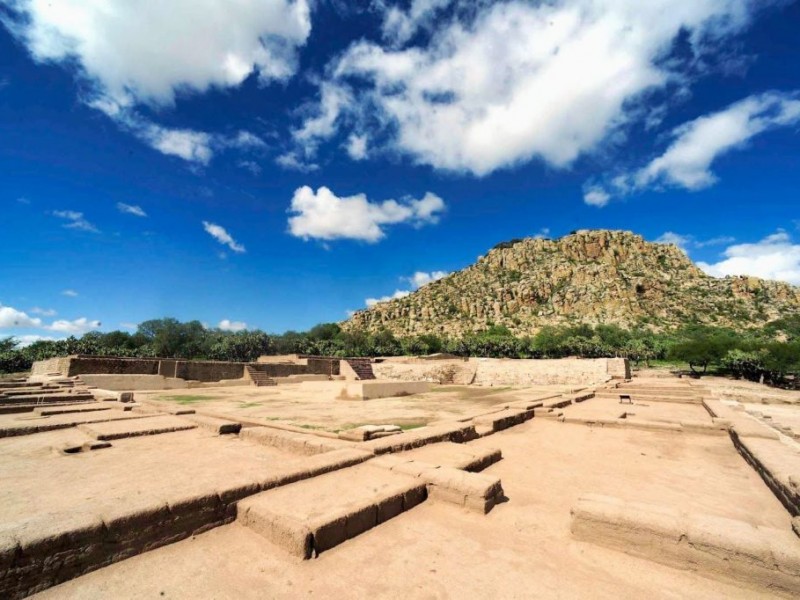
pixel 594 276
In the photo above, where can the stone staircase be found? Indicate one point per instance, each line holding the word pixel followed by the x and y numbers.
pixel 259 378
pixel 22 395
pixel 362 368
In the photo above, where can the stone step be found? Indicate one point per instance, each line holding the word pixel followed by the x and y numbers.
pixel 45 399
pixel 116 430
pixel 309 517
pixel 503 419
pixel 215 424
pixel 362 368
pixel 47 411
pixel 465 457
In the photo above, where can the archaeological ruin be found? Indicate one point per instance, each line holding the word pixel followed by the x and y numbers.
pixel 398 477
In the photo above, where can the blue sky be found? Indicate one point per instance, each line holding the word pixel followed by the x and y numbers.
pixel 278 163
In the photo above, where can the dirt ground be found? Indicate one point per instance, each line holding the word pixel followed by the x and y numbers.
pixel 522 549
pixel 292 404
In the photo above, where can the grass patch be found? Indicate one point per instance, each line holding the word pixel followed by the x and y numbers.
pixel 307 426
pixel 187 399
pixel 248 404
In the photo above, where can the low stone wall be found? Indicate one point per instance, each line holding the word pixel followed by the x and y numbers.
pixel 758 557
pixel 133 382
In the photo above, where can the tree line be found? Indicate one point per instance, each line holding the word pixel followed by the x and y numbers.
pixel 770 354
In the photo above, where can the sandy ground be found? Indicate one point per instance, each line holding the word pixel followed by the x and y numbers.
pixel 522 549
pixel 643 409
pixel 292 404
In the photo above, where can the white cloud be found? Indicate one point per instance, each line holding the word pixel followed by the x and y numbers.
pixel 131 209
pixel 26 340
pixel 686 163
pixel 244 140
pixel 148 50
pixel 685 242
pixel 508 82
pixel 357 146
pixel 131 326
pixel 70 293
pixel 191 146
pixel 293 162
pixel 421 278
pixel 323 215
pixel 44 312
pixel 397 294
pixel 774 257
pixel 595 196
pixel 251 166
pixel 400 25
pixel 417 280
pixel 717 241
pixel 76 326
pixel 223 237
pixel 75 220
pixel 11 318
pixel 670 237
pixel 228 325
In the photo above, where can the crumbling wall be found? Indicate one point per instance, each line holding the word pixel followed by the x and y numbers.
pixel 457 371
pixel 80 365
pixel 59 364
pixel 618 368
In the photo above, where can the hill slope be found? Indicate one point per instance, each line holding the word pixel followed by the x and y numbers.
pixel 595 276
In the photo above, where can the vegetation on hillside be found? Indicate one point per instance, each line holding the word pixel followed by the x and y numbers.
pixel 771 354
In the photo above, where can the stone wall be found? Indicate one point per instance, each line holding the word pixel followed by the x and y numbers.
pixel 562 371
pixel 101 365
pixel 281 369
pixel 496 371
pixel 202 370
pixel 323 366
pixel 80 365
pixel 59 364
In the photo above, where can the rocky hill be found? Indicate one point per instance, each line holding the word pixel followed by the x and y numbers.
pixel 593 277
